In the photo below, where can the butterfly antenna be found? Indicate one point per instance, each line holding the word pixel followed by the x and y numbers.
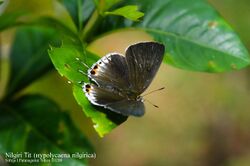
pixel 82 72
pixel 151 103
pixel 84 64
pixel 153 91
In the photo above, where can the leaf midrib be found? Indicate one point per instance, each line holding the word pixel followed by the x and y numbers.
pixel 191 41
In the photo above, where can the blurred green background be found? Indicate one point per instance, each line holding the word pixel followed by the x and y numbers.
pixel 203 119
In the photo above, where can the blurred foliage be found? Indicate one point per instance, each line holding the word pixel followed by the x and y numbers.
pixel 190 30
pixel 195 35
pixel 10 19
pixel 21 127
pixel 30 48
pixel 79 10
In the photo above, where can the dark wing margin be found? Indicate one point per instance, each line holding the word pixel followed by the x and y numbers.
pixel 144 60
pixel 113 100
pixel 127 107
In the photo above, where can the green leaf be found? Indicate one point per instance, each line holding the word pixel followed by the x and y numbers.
pixel 130 12
pixel 104 5
pixel 36 124
pixel 79 10
pixel 1 1
pixel 57 25
pixel 104 120
pixel 8 20
pixel 195 36
pixel 29 58
pixel 70 61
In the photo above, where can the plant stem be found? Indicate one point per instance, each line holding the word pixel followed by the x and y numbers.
pixel 91 25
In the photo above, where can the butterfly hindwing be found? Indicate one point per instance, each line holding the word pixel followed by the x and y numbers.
pixel 113 101
pixel 101 96
pixel 127 107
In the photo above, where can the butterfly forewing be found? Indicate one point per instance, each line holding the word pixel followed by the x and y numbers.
pixel 143 61
pixel 110 71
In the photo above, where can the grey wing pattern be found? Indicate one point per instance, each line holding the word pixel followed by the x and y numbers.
pixel 111 72
pixel 113 100
pixel 143 61
pixel 128 107
pixel 120 80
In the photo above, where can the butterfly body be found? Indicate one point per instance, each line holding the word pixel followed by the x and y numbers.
pixel 119 81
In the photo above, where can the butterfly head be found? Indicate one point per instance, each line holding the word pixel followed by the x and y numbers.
pixel 139 98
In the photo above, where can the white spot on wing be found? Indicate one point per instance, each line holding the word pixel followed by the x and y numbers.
pixel 91 95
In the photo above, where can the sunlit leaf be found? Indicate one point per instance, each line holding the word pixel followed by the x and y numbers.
pixel 104 120
pixel 130 12
pixel 36 124
pixel 195 36
pixel 71 62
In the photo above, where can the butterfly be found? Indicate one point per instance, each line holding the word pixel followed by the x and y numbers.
pixel 118 81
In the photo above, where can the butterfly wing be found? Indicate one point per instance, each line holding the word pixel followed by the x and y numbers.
pixel 143 61
pixel 111 72
pixel 113 100
pixel 120 80
pixel 128 107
